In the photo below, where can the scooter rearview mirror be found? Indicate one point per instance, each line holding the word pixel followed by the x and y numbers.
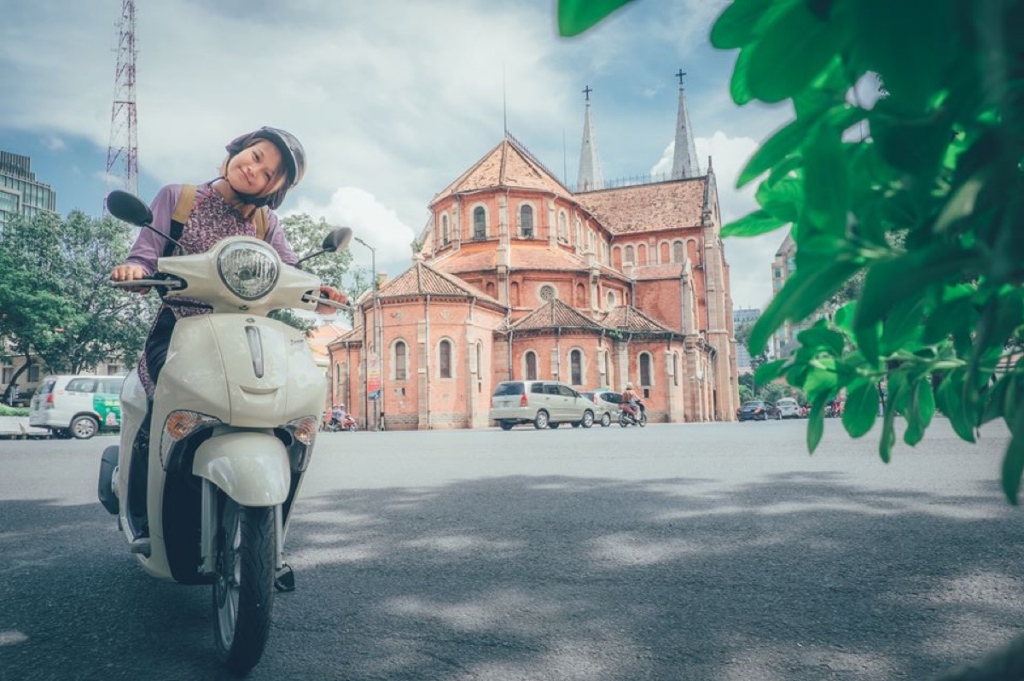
pixel 128 207
pixel 338 239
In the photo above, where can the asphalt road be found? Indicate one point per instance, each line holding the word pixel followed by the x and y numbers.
pixel 677 553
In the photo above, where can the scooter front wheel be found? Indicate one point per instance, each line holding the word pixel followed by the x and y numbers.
pixel 243 587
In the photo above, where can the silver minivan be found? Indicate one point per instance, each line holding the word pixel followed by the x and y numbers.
pixel 77 406
pixel 545 404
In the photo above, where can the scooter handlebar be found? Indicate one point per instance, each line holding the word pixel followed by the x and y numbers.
pixel 325 301
pixel 174 284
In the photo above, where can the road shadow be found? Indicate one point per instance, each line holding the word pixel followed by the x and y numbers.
pixel 797 576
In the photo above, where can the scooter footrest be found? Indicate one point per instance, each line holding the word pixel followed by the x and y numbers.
pixel 142 545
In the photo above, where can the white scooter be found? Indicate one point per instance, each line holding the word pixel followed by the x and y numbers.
pixel 204 494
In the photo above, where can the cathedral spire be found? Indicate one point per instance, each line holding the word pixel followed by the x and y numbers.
pixel 589 176
pixel 684 161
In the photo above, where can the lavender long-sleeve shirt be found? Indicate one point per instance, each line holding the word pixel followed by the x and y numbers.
pixel 150 245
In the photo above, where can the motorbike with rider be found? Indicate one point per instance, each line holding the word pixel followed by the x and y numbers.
pixel 632 411
pixel 220 419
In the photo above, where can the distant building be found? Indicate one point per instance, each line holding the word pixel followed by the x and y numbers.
pixel 519 277
pixel 20 192
pixel 746 315
pixel 783 267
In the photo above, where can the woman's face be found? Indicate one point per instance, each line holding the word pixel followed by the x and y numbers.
pixel 257 170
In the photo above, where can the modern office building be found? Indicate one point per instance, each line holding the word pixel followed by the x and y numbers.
pixel 20 192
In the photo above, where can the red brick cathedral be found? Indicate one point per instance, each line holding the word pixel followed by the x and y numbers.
pixel 517 276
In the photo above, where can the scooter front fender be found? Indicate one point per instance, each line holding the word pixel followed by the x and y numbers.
pixel 250 466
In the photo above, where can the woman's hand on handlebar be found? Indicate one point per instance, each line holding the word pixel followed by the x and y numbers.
pixel 333 294
pixel 129 273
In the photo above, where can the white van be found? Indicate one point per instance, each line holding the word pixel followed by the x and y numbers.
pixel 545 404
pixel 77 406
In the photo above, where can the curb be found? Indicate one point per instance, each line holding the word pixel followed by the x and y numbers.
pixel 18 427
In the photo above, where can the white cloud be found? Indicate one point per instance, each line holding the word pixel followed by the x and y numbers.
pixel 371 221
pixel 54 143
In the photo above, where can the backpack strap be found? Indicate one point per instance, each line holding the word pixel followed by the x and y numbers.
pixel 187 203
pixel 182 212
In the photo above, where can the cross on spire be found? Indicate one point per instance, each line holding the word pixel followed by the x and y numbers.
pixel 586 91
pixel 680 77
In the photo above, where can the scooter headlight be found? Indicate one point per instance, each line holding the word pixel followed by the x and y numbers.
pixel 248 269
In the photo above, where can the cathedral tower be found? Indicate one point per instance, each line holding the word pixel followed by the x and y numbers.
pixel 684 161
pixel 589 177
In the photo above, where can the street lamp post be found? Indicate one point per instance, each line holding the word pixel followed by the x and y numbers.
pixel 375 342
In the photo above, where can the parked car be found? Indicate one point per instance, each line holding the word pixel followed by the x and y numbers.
pixel 77 406
pixel 788 408
pixel 756 410
pixel 545 404
pixel 606 405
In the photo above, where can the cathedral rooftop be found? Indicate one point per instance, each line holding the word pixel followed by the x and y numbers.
pixel 648 207
pixel 422 279
pixel 508 164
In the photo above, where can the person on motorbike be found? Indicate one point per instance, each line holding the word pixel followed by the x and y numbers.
pixel 260 167
pixel 629 401
pixel 338 415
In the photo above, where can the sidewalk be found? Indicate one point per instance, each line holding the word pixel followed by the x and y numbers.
pixel 17 427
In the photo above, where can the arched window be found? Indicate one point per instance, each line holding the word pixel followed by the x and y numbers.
pixel 563 228
pixel 444 230
pixel 581 295
pixel 490 289
pixel 617 258
pixel 664 253
pixel 526 221
pixel 691 250
pixel 479 223
pixel 576 367
pixel 678 251
pixel 627 256
pixel 444 358
pixel 611 299
pixel 531 365
pixel 641 255
pixel 515 293
pixel 401 361
pixel 645 368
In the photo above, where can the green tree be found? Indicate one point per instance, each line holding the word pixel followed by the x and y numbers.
pixel 306 236
pixel 57 308
pixel 926 202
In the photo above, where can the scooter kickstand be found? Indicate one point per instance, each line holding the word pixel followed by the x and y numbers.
pixel 284 580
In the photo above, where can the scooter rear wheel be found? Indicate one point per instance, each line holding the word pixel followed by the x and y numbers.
pixel 243 588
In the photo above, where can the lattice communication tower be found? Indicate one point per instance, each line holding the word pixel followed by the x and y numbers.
pixel 123 152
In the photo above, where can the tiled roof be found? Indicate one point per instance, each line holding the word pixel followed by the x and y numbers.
pixel 323 336
pixel 628 318
pixel 553 314
pixel 353 336
pixel 422 279
pixel 651 272
pixel 648 207
pixel 529 256
pixel 506 165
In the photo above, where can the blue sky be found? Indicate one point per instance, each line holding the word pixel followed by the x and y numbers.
pixel 393 100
